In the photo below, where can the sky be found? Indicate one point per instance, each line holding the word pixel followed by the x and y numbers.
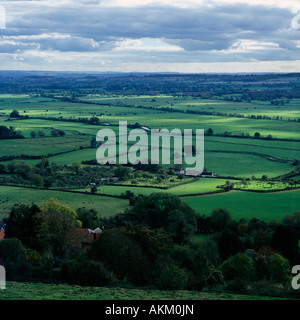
pixel 187 36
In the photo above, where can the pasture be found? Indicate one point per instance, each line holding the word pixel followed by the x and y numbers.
pixel 202 185
pixel 226 156
pixel 105 206
pixel 247 205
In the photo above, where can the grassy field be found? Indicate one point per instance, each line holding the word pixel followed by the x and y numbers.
pixel 105 206
pixel 248 205
pixel 40 291
pixel 243 165
pixel 203 185
pixel 225 156
pixel 42 146
pixel 115 109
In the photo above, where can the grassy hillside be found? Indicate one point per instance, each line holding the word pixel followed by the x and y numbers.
pixel 40 291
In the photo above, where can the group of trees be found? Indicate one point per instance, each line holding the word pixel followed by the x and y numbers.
pixel 9 133
pixel 150 245
pixel 47 175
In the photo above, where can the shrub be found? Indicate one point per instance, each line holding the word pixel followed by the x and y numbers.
pixel 239 267
pixel 172 278
pixel 86 273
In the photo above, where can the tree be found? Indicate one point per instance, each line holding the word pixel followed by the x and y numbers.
pixel 36 179
pixel 41 133
pixel 33 134
pixel 279 269
pixel 55 226
pixel 10 133
pixel 88 218
pixel 94 120
pixel 23 169
pixel 239 267
pixel 77 167
pixel 209 132
pixel 122 172
pixel 61 133
pixel 11 166
pixel 162 210
pixel 93 189
pixel 123 255
pixel 172 278
pixel 86 272
pixel 48 182
pixel 2 168
pixel 256 135
pixel 54 132
pixel 14 114
pixel 221 219
pixel 285 241
pixel 13 256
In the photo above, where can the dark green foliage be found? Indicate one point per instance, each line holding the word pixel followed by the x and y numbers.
pixel 172 278
pixel 13 258
pixel 239 267
pixel 86 272
pixel 88 217
pixel 122 172
pixel 21 224
pixel 123 255
pixel 14 114
pixel 162 210
pixel 9 133
pixel 220 219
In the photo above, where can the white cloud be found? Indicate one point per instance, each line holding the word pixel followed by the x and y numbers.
pixel 146 44
pixel 244 45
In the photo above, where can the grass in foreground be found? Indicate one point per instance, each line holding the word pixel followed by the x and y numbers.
pixel 40 291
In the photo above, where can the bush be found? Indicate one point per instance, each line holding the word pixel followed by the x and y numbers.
pixel 123 256
pixel 13 258
pixel 238 268
pixel 86 273
pixel 172 278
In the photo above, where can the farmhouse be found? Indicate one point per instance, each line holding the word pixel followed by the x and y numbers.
pixel 84 237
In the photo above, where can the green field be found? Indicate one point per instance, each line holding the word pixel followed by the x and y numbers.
pixel 225 156
pixel 203 185
pixel 42 146
pixel 248 205
pixel 117 109
pixel 105 206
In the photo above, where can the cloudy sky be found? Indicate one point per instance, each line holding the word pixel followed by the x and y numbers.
pixel 150 35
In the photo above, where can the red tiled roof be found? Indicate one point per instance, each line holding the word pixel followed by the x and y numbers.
pixel 2 234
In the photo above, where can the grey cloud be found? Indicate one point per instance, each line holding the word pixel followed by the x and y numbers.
pixel 205 33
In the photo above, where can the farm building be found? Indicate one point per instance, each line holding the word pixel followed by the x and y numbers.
pixel 2 230
pixel 85 237
pixel 207 174
pixel 176 170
